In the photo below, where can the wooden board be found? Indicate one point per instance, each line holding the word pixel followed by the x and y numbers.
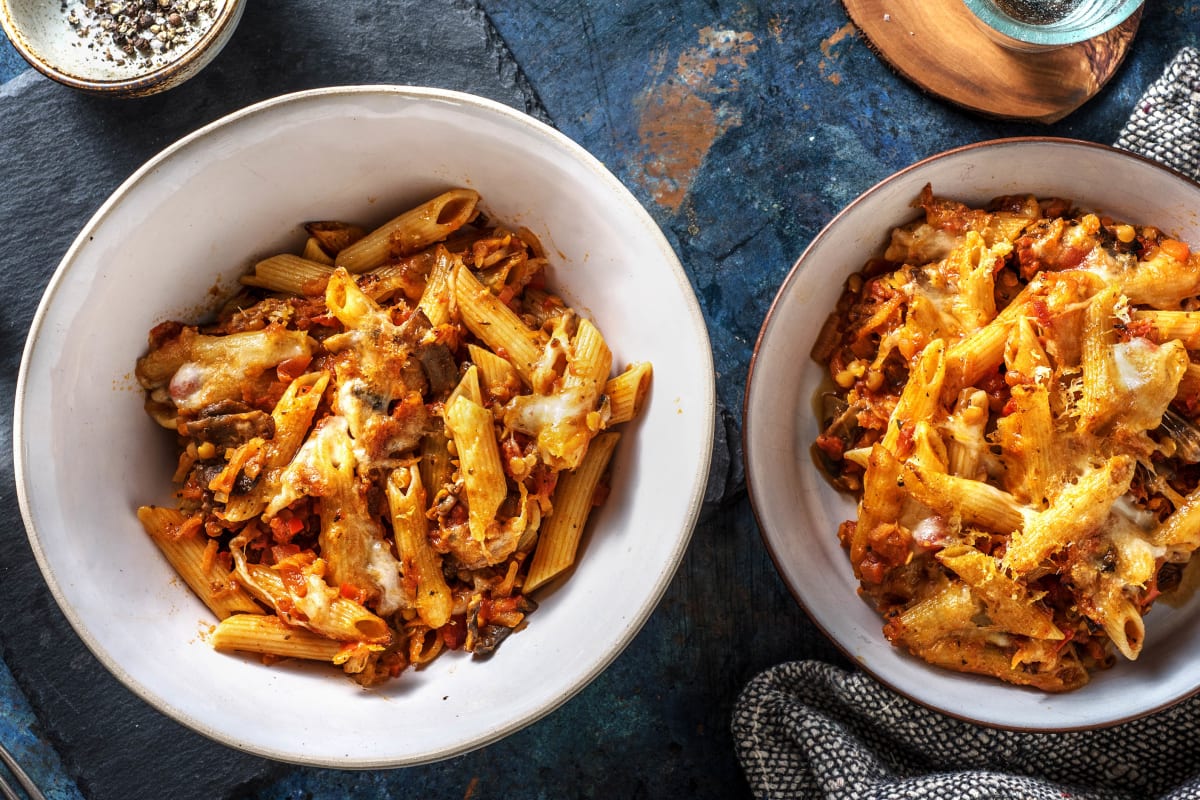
pixel 939 45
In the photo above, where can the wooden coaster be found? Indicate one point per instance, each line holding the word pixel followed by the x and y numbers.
pixel 939 45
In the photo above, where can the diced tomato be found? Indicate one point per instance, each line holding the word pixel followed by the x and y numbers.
pixel 352 592
pixel 280 552
pixel 292 368
pixel 872 569
pixel 285 526
pixel 454 632
pixel 832 446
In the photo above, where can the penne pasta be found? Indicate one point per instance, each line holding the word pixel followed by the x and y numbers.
pixel 471 426
pixel 290 274
pixel 406 500
pixel 497 325
pixel 1007 388
pixel 372 435
pixel 185 548
pixel 627 392
pixel 560 535
pixel 269 635
pixel 410 232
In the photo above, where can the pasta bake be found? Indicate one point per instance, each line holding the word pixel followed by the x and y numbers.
pixel 1011 401
pixel 386 441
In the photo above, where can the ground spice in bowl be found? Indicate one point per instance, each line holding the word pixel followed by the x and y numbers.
pixel 145 30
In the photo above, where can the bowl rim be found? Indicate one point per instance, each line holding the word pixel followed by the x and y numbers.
pixel 757 502
pixel 194 56
pixel 639 616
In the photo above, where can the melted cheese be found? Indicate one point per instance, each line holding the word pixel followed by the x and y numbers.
pixel 1146 377
pixel 1137 559
pixel 384 569
pixel 221 367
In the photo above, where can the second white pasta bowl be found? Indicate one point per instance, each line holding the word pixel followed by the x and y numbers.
pixel 177 236
pixel 798 509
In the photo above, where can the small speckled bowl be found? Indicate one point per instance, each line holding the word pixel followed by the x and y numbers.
pixel 47 39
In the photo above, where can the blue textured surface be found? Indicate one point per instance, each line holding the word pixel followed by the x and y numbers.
pixel 743 127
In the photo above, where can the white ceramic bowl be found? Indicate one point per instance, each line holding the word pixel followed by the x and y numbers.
pixel 798 512
pixel 42 34
pixel 194 218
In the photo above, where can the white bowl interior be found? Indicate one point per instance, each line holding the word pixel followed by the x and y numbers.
pixel 798 510
pixel 187 225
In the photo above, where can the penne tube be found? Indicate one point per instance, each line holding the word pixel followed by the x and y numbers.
pixel 497 325
pixel 473 429
pixel 314 252
pixel 269 635
pixel 1075 512
pixel 982 351
pixel 1162 279
pixel 1168 325
pixel 921 395
pixel 334 236
pixel 975 263
pixel 468 387
pixel 185 550
pixel 290 274
pixel 293 415
pixel 975 502
pixel 424 643
pixel 1180 532
pixel 418 562
pixel 498 377
pixel 558 541
pixel 1008 602
pixel 883 499
pixel 1106 603
pixel 1024 355
pixel 412 231
pixel 1096 404
pixel 437 300
pixel 627 392
pixel 950 609
pixel 1027 435
pixel 322 609
pixel 982 658
pixel 434 465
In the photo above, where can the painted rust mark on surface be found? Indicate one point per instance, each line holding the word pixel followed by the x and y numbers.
pixel 680 115
pixel 827 45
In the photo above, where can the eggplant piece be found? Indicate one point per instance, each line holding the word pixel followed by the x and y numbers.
pixel 230 423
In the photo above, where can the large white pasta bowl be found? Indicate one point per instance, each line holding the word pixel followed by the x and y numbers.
pixel 174 237
pixel 798 510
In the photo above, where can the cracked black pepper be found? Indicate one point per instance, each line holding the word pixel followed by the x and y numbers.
pixel 133 30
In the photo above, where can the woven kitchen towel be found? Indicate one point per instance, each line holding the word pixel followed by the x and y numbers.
pixel 809 729
pixel 1165 124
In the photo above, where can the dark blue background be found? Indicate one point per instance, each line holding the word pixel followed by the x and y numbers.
pixel 743 127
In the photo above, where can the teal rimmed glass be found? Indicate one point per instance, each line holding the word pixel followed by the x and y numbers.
pixel 1047 24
